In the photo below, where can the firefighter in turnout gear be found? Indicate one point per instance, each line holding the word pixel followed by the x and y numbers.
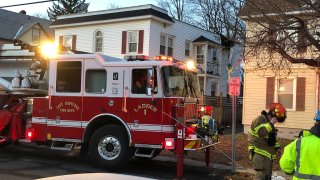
pixel 301 158
pixel 262 140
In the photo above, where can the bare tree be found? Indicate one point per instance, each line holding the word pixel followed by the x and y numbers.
pixel 113 6
pixel 178 9
pixel 40 15
pixel 282 33
pixel 220 16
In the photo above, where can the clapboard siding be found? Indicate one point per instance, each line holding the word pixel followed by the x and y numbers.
pixel 181 32
pixel 255 98
pixel 112 34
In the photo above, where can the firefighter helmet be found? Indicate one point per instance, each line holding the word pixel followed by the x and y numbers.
pixel 317 116
pixel 279 111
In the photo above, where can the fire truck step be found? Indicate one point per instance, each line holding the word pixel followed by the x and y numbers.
pixel 144 152
pixel 63 146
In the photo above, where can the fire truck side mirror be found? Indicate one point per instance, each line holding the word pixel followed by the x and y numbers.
pixel 150 87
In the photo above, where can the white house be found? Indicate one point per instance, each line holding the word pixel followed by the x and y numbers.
pixel 143 30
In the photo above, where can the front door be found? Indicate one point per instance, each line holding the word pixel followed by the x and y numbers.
pixel 145 108
pixel 65 100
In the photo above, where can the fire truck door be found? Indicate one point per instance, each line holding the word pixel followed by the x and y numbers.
pixel 106 92
pixel 145 108
pixel 65 100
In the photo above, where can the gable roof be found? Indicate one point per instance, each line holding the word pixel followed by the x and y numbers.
pixel 13 24
pixel 136 11
pixel 259 7
pixel 204 39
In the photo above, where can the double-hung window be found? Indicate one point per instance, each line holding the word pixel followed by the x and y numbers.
pixel 166 45
pixel 132 41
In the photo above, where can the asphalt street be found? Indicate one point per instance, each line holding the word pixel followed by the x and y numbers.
pixel 23 162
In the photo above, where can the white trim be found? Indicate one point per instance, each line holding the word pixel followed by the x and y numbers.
pixel 79 124
pixel 66 140
pixel 39 120
pixel 18 32
pixel 149 146
pixel 64 123
pixel 146 17
pixel 151 127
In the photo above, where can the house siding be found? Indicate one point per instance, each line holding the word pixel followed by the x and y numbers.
pixel 181 32
pixel 112 36
pixel 27 36
pixel 255 99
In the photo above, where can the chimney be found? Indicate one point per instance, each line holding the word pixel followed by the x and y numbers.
pixel 23 12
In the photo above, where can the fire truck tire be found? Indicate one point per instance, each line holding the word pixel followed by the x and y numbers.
pixel 109 147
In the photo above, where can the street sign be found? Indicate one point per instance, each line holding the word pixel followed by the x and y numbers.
pixel 234 86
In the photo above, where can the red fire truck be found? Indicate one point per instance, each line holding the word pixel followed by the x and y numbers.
pixel 113 108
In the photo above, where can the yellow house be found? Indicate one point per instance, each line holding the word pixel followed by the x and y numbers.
pixel 297 90
pixel 29 29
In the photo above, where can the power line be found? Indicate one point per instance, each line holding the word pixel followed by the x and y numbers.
pixel 27 3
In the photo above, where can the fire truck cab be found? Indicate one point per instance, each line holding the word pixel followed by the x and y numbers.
pixel 113 108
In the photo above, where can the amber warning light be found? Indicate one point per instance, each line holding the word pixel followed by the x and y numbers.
pixel 164 58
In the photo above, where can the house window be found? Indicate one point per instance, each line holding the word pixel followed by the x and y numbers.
pixel 286 92
pixel 213 89
pixel 187 48
pixel 98 41
pixel 170 47
pixel 68 77
pixel 214 54
pixel 166 45
pixel 200 54
pixel 35 35
pixel 96 80
pixel 163 45
pixel 132 41
pixel 67 42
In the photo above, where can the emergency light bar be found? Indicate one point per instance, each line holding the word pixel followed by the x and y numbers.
pixel 163 58
pixel 136 57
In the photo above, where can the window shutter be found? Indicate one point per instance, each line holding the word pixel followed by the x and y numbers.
pixel 74 42
pixel 124 42
pixel 60 40
pixel 140 43
pixel 300 95
pixel 270 91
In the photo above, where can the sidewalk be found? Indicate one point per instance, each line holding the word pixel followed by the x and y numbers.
pixel 278 175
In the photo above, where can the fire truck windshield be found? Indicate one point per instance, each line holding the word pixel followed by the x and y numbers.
pixel 179 82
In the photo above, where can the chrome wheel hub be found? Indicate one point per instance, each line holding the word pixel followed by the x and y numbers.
pixel 109 147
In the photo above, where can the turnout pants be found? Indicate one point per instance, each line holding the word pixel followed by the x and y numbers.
pixel 263 167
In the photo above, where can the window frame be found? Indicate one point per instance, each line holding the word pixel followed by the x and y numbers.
pixel 294 93
pixel 96 37
pixel 163 45
pixel 85 83
pixel 64 37
pixel 128 42
pixel 166 45
pixel 187 51
pixel 33 35
pixel 57 75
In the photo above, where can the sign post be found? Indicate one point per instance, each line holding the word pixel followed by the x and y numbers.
pixel 234 91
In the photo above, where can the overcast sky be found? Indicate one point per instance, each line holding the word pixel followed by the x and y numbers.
pixel 95 5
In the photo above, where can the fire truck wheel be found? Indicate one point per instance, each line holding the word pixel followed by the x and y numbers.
pixel 109 147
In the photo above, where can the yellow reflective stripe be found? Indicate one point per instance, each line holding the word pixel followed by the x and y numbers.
pixel 253 133
pixel 262 152
pixel 277 145
pixel 266 125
